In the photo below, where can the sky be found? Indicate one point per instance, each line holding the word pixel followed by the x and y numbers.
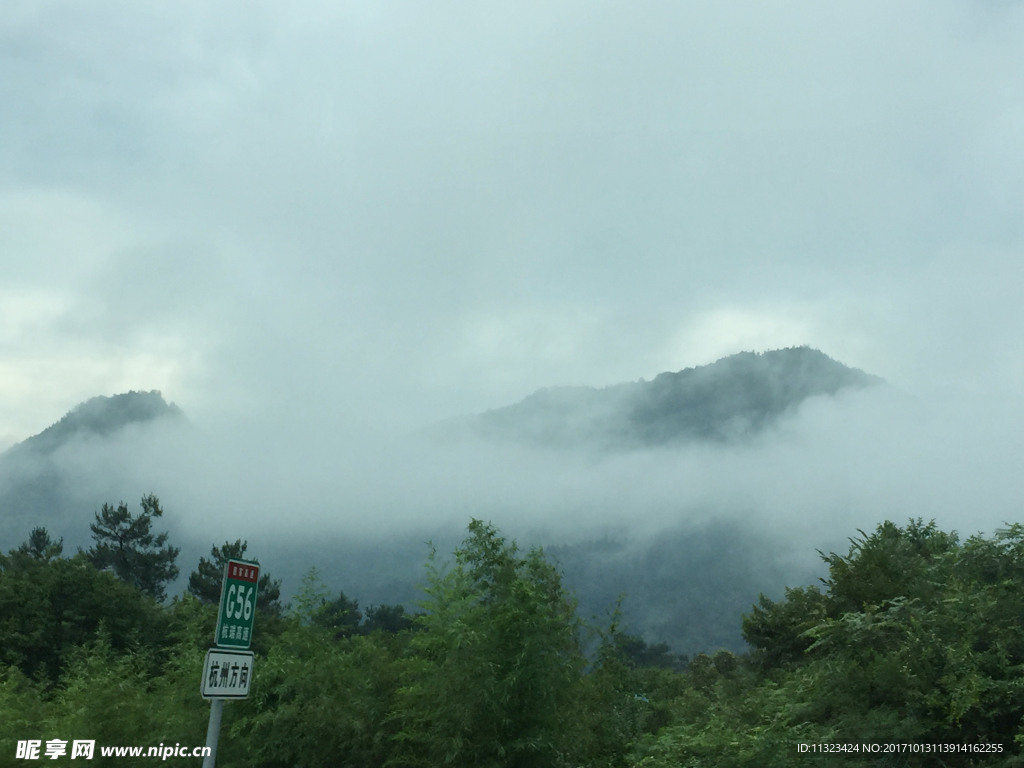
pixel 304 223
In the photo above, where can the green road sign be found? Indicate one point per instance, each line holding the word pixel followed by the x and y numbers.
pixel 237 604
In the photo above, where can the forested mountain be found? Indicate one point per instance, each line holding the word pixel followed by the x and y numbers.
pixel 686 586
pixel 733 398
pixel 45 479
pixel 100 416
pixel 497 655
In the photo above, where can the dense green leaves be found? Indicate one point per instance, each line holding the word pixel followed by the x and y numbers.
pixel 892 562
pixel 127 546
pixel 914 637
pixel 320 702
pixel 917 638
pixel 492 676
pixel 51 605
pixel 777 632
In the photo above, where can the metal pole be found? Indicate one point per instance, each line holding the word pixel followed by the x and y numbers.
pixel 213 732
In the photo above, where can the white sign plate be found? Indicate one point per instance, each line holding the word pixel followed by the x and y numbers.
pixel 226 674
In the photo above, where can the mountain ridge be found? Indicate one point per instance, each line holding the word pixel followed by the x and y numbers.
pixel 733 398
pixel 102 416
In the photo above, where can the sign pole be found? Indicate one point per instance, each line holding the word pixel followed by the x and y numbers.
pixel 213 732
pixel 227 672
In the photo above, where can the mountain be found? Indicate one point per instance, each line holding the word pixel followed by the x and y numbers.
pixel 687 585
pixel 60 476
pixel 735 397
pixel 100 416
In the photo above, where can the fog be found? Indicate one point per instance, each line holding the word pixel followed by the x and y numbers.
pixel 752 513
pixel 833 466
pixel 322 230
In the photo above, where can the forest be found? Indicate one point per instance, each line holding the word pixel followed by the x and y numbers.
pixel 914 637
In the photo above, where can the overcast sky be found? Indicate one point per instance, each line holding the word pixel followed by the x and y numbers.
pixel 380 214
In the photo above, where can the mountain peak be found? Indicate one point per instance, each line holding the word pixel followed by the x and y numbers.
pixel 734 397
pixel 101 416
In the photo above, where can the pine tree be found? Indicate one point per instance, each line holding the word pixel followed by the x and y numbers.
pixel 126 545
pixel 40 546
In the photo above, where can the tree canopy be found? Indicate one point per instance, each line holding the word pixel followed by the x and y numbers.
pixel 914 637
pixel 51 605
pixel 126 545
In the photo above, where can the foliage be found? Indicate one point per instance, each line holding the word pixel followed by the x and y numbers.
pixel 494 671
pixel 892 562
pixel 126 546
pixel 614 707
pixel 50 605
pixel 40 546
pixel 206 580
pixel 914 637
pixel 204 585
pixel 23 706
pixel 387 618
pixel 777 632
pixel 340 615
pixel 320 702
pixel 917 638
pixel 636 652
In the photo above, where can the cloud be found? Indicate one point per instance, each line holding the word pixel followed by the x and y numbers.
pixel 319 229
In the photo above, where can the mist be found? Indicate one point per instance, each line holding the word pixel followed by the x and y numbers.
pixel 324 231
pixel 739 518
pixel 832 466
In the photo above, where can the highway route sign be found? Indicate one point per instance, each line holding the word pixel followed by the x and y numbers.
pixel 237 604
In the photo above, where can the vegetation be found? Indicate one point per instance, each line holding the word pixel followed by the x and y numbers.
pixel 728 400
pixel 915 637
pixel 100 416
pixel 205 581
pixel 126 546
